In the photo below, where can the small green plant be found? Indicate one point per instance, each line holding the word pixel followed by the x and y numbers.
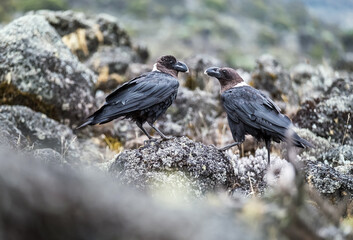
pixel 347 40
pixel 139 7
pixel 219 5
pixel 28 5
pixel 267 38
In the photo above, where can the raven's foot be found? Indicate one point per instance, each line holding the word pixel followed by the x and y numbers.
pixel 223 148
pixel 229 146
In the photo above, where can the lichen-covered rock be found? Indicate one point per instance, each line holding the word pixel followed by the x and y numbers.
pixel 345 62
pixel 186 161
pixel 311 82
pixel 327 167
pixel 330 116
pixel 340 158
pixel 253 174
pixel 48 156
pixel 322 145
pixel 39 71
pixel 24 128
pixel 110 64
pixel 193 111
pixel 83 34
pixel 270 76
pixel 136 69
pixel 197 78
pixel 328 181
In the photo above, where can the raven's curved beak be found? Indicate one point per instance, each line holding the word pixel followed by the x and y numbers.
pixel 213 72
pixel 180 67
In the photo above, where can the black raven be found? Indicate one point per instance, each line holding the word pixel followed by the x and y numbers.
pixel 250 112
pixel 144 98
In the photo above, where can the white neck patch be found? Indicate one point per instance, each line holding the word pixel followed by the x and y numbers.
pixel 155 68
pixel 242 84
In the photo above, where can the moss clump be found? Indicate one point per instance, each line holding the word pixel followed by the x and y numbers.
pixel 113 144
pixel 191 82
pixel 10 95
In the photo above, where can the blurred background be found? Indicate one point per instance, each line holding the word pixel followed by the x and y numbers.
pixel 56 67
pixel 235 31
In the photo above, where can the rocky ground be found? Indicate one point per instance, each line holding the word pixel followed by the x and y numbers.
pixel 107 182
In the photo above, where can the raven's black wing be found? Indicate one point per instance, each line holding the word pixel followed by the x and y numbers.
pixel 137 94
pixel 254 109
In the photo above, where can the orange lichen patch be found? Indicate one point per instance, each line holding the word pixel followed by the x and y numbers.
pixel 272 75
pixel 76 41
pixel 10 95
pixel 98 33
pixel 113 144
pixel 118 78
pixel 284 98
pixel 103 74
pixel 191 82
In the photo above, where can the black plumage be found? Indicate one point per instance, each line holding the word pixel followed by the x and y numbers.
pixel 143 99
pixel 251 112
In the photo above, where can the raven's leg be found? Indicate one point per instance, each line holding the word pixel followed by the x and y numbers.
pixel 268 146
pixel 159 132
pixel 229 146
pixel 139 124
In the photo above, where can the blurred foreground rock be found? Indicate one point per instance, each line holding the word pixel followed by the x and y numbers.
pixel 43 202
pixel 38 200
pixel 40 72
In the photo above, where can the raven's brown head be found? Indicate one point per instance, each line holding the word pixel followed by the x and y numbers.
pixel 227 77
pixel 169 64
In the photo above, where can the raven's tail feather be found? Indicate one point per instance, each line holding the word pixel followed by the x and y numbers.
pixel 300 142
pixel 88 121
pixel 105 114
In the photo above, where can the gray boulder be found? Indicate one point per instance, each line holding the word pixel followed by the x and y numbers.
pixel 179 161
pixel 39 71
pixel 110 64
pixel 340 158
pixel 269 75
pixel 329 181
pixel 21 128
pixel 330 116
pixel 85 33
pixel 192 114
pixel 197 78
pixel 311 82
pixel 82 33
